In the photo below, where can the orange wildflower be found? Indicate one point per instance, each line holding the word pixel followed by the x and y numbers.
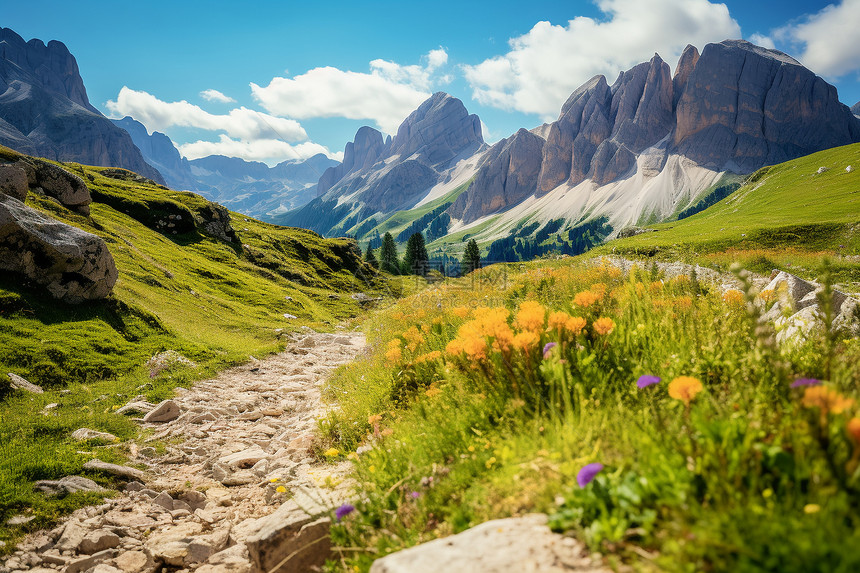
pixel 460 311
pixel 604 325
pixel 767 295
pixel 685 388
pixel 853 428
pixel 531 315
pixel 827 399
pixel 733 297
pixel 585 299
pixel 394 352
pixel 429 357
pixel 526 340
pixel 413 338
pixel 557 320
pixel 575 324
pixel 374 419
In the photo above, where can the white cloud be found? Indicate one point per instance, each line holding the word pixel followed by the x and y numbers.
pixel 827 39
pixel 241 123
pixel 267 150
pixel 386 95
pixel 763 41
pixel 545 65
pixel 215 95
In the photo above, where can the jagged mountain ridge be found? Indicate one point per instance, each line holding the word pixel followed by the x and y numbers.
pixel 638 150
pixel 44 109
pixel 250 187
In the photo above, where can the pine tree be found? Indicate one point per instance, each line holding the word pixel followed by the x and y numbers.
pixel 415 261
pixel 370 258
pixel 471 257
pixel 388 261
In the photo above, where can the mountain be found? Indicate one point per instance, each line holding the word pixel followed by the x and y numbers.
pixel 640 150
pixel 855 109
pixel 250 187
pixel 432 148
pixel 256 189
pixel 44 109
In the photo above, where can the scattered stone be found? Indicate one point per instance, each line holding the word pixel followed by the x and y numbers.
pixel 134 486
pixel 499 546
pixel 19 520
pixel 137 405
pixel 164 500
pixel 72 536
pixel 18 383
pixel 103 568
pixel 289 316
pixel 244 459
pixel 167 359
pixel 121 471
pixel 66 485
pixel 52 406
pixel 133 561
pixel 164 412
pixel 98 540
pixel 84 434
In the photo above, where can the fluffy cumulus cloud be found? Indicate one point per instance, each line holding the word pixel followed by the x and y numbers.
pixel 215 95
pixel 545 65
pixel 242 132
pixel 385 95
pixel 827 40
pixel 258 150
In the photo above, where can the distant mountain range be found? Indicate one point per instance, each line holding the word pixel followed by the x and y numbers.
pixel 638 151
pixel 44 109
pixel 249 187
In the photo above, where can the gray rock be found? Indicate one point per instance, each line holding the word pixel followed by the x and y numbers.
pixel 164 412
pixel 71 264
pixel 133 562
pixel 84 434
pixel 72 536
pixel 117 470
pixel 86 563
pixel 13 181
pixel 19 383
pixel 502 545
pixel 231 560
pixel 19 520
pixel 244 459
pixel 164 500
pixel 68 484
pixel 98 540
pixel 67 188
pixel 138 405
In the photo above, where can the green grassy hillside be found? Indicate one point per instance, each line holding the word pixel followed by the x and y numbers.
pixel 785 215
pixel 215 302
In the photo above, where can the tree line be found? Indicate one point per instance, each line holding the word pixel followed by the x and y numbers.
pixel 416 260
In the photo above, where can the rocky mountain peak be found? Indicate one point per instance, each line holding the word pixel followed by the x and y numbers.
pixel 686 64
pixel 440 129
pixel 855 109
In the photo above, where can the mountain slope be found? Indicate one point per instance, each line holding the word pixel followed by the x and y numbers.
pixel 44 109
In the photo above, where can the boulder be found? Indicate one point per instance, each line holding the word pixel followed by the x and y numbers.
pixel 66 485
pixel 133 562
pixel 86 563
pixel 164 412
pixel 13 181
pixel 73 265
pixel 499 546
pixel 67 188
pixel 84 434
pixel 98 540
pixel 214 220
pixel 113 469
pixel 19 383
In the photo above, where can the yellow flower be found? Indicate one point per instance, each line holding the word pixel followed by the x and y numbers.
pixel 413 338
pixel 281 489
pixel 526 340
pixel 598 289
pixel 826 399
pixel 461 311
pixel 557 320
pixel 372 469
pixel 733 297
pixel 531 315
pixel 273 480
pixel 604 325
pixel 683 302
pixel 585 299
pixel 575 324
pixel 685 388
pixel 429 357
pixel 394 355
pixel 331 452
pixel 352 456
pixel 811 508
pixel 432 392
pixel 767 295
pixel 489 463
pixel 656 286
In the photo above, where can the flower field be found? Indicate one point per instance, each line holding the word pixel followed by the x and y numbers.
pixel 655 419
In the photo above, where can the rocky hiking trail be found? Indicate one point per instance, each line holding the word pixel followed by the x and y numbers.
pixel 236 489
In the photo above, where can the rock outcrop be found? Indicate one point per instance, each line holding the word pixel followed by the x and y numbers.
pixel 855 109
pixel 73 265
pixel 44 109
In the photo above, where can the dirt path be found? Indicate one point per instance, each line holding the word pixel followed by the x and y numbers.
pixel 236 488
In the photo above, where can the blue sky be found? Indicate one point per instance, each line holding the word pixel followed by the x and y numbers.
pixel 299 78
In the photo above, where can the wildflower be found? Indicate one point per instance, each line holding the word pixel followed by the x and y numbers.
pixel 733 297
pixel 432 392
pixel 656 286
pixel 547 348
pixel 526 340
pixel 683 302
pixel 413 338
pixel 575 324
pixel 598 289
pixel 826 399
pixel 811 508
pixel 588 473
pixel 343 511
pixel 460 311
pixel 558 320
pixel 429 357
pixel 585 299
pixel 647 380
pixel 372 469
pixel 273 480
pixel 414 494
pixel 853 428
pixel 387 432
pixel 394 353
pixel 331 452
pixel 685 388
pixel 352 456
pixel 531 315
pixel 374 419
pixel 767 295
pixel 489 463
pixel 805 382
pixel 281 489
pixel 604 326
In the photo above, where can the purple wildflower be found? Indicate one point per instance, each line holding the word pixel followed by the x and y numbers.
pixel 415 495
pixel 343 511
pixel 647 380
pixel 588 473
pixel 805 382
pixel 548 347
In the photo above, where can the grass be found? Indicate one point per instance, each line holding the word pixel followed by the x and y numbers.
pixel 787 214
pixel 214 302
pixel 460 417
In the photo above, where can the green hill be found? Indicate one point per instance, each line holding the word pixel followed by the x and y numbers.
pixel 216 302
pixel 779 215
